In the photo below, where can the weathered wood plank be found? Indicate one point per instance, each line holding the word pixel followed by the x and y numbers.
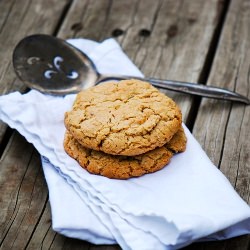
pixel 43 235
pixel 85 15
pixel 223 128
pixel 169 39
pixel 23 193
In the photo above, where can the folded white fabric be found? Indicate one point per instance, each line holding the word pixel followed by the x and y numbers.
pixel 189 200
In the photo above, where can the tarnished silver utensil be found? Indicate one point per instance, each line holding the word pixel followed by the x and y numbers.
pixel 51 65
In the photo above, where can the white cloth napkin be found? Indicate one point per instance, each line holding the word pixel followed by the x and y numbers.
pixel 187 201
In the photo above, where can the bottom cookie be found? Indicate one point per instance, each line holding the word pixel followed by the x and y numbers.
pixel 124 167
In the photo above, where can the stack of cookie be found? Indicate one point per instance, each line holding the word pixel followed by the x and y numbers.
pixel 123 129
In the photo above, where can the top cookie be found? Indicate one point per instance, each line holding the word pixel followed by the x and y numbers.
pixel 128 118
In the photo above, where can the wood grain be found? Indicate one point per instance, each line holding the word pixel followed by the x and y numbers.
pixel 223 128
pixel 23 193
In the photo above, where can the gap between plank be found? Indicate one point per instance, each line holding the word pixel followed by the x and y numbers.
pixel 62 17
pixel 38 221
pixel 5 140
pixel 204 75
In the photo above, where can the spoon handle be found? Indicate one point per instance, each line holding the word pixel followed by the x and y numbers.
pixel 186 87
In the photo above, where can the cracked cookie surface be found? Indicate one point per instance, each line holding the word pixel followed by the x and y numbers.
pixel 124 167
pixel 128 118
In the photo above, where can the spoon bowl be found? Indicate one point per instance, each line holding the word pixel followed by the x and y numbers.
pixel 53 66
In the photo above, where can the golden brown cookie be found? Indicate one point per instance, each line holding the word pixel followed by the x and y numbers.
pixel 126 118
pixel 122 167
pixel 178 142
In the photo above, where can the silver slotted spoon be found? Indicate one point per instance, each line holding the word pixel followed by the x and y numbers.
pixel 51 65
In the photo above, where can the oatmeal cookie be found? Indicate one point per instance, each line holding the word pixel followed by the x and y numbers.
pixel 178 142
pixel 127 118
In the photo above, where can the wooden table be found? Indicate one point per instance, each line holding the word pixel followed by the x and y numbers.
pixel 196 41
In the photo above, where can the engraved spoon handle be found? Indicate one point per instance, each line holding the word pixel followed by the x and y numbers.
pixel 185 87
